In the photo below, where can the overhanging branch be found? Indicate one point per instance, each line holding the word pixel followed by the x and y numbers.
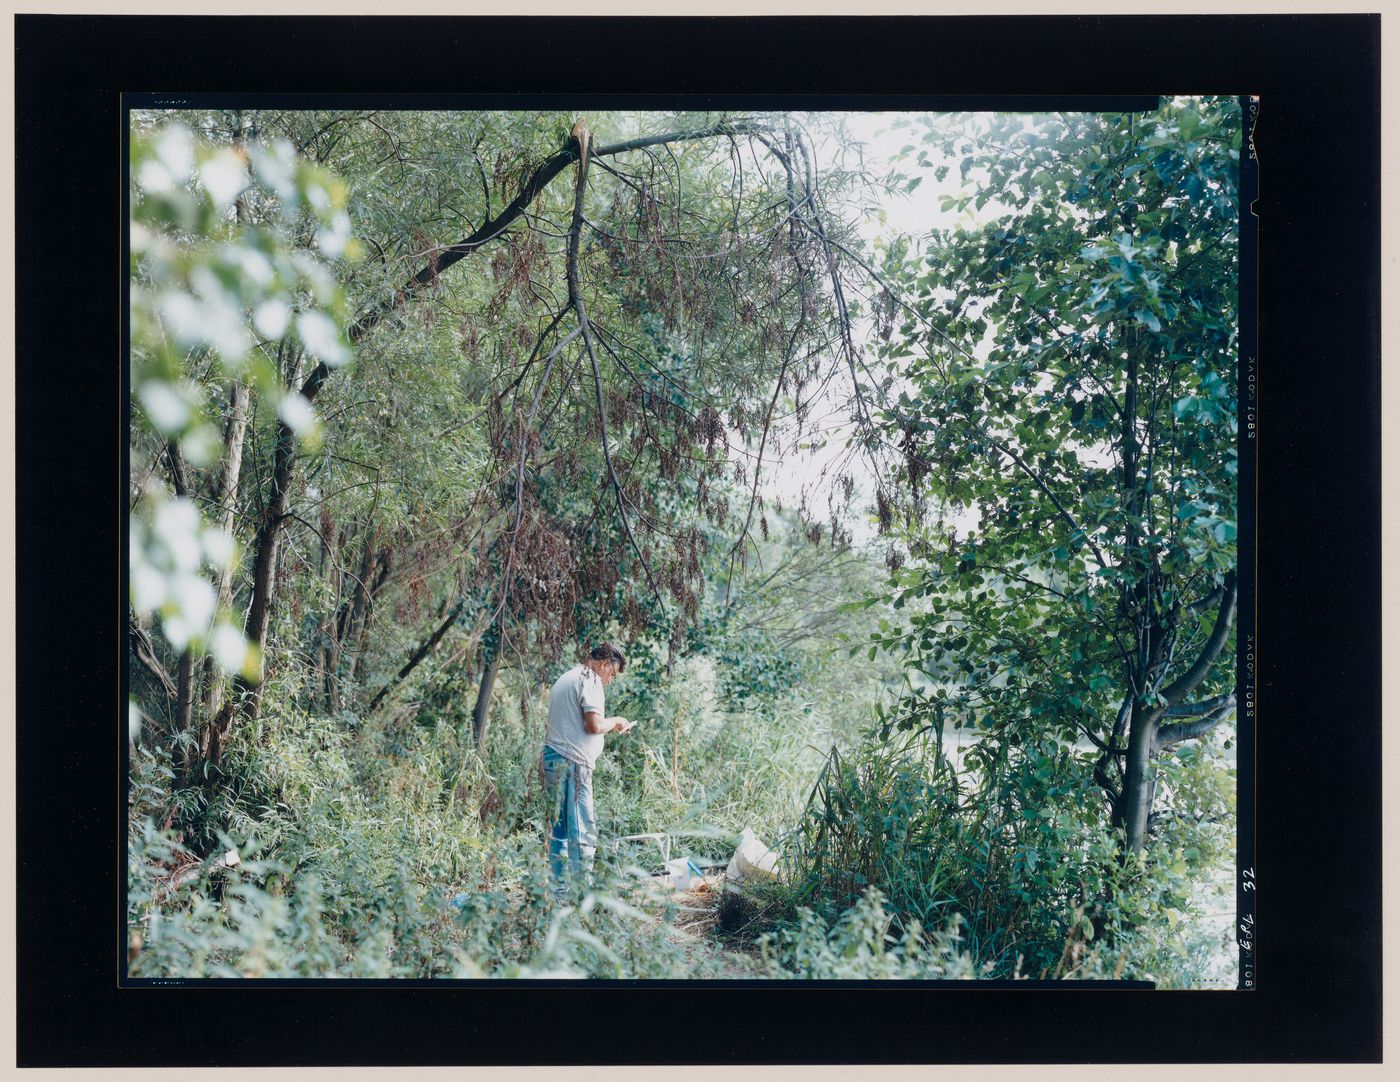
pixel 576 300
pixel 550 168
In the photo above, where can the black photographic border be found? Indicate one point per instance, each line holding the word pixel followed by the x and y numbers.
pixel 1315 620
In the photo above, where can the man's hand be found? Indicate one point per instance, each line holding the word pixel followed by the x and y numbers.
pixel 622 725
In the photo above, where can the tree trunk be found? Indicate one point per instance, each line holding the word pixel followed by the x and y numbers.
pixel 216 712
pixel 352 615
pixel 184 694
pixel 184 672
pixel 481 713
pixel 360 628
pixel 268 542
pixel 247 691
pixel 1135 803
pixel 328 654
pixel 418 655
pixel 227 502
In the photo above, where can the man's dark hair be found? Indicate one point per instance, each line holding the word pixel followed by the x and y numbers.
pixel 606 651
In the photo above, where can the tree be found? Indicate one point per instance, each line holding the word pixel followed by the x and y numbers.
pixel 649 307
pixel 204 278
pixel 525 442
pixel 1068 431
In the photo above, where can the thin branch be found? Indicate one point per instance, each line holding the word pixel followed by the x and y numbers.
pixel 144 652
pixel 524 441
pixel 1064 512
pixel 576 299
pixel 762 444
pixel 525 368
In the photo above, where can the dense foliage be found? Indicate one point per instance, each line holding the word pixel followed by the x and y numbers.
pixel 1066 418
pixel 425 401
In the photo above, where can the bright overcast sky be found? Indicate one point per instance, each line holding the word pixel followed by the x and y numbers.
pixel 913 214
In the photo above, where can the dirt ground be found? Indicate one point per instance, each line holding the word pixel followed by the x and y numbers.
pixel 694 925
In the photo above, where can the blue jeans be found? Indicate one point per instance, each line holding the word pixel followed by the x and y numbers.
pixel 574 837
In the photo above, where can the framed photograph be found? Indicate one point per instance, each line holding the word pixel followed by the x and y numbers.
pixel 824 532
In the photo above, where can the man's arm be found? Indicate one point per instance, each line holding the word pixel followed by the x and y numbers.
pixel 594 722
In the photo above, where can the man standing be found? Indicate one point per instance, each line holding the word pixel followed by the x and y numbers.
pixel 576 729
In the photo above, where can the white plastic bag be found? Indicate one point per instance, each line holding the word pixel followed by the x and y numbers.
pixel 752 859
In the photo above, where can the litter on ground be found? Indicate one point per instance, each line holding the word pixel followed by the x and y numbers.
pixel 752 860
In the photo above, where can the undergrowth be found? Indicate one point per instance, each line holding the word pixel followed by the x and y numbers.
pixel 352 835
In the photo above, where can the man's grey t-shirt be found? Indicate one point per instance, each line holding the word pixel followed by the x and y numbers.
pixel 577 692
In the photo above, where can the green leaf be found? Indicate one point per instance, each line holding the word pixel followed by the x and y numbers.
pixel 1148 320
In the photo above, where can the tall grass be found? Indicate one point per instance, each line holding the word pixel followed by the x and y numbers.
pixel 1026 866
pixel 354 831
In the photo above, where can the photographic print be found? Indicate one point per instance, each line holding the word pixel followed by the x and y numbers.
pixel 736 544
pixel 729 540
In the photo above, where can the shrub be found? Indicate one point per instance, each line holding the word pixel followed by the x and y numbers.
pixel 859 945
pixel 1026 862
